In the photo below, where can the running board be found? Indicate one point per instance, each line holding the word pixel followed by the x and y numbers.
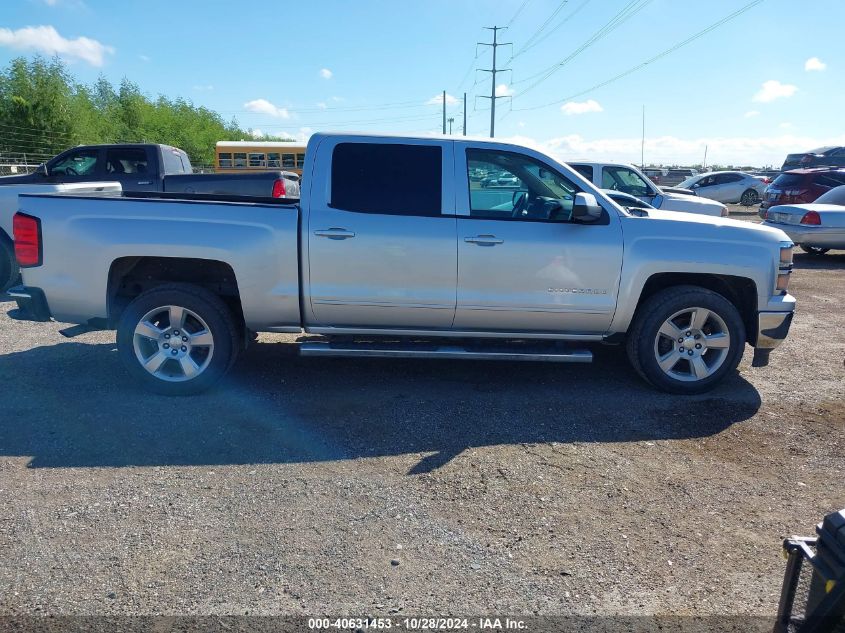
pixel 399 350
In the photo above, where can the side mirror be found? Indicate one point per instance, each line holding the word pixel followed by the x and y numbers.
pixel 44 170
pixel 695 185
pixel 517 195
pixel 586 208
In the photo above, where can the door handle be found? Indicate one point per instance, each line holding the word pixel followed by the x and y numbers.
pixel 334 233
pixel 145 182
pixel 484 240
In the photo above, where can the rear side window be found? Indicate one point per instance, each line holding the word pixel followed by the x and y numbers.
pixel 834 196
pixel 584 170
pixel 833 179
pixel 126 161
pixel 387 178
pixel 172 161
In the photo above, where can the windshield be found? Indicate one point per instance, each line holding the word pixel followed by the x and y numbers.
pixel 689 182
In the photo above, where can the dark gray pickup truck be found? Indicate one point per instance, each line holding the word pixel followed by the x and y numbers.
pixel 150 167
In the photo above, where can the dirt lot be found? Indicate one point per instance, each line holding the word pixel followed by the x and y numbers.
pixel 414 487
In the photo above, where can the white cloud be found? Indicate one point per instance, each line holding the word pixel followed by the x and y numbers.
pixel 752 113
pixel 672 150
pixel 814 63
pixel 203 87
pixel 304 134
pixel 438 99
pixel 325 73
pixel 46 40
pixel 774 89
pixel 504 90
pixel 581 107
pixel 262 106
pixel 521 123
pixel 144 58
pixel 256 133
pixel 785 125
pixel 322 105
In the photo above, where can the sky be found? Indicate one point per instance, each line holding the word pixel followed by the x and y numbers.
pixel 765 81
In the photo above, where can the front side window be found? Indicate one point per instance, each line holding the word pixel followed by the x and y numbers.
pixel 625 180
pixel 525 188
pixel 387 178
pixel 225 159
pixel 79 163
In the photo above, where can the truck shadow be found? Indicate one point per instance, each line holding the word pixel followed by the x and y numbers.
pixel 834 260
pixel 73 405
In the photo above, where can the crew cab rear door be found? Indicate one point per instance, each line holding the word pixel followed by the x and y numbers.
pixel 135 168
pixel 524 265
pixel 381 233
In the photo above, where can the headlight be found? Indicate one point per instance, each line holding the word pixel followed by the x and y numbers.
pixel 784 267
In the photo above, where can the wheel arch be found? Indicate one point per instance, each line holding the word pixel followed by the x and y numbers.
pixel 131 276
pixel 740 291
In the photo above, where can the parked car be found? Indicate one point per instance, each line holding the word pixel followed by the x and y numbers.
pixel 626 200
pixel 727 186
pixel 630 180
pixel 816 227
pixel 656 175
pixel 801 186
pixel 9 271
pixel 831 156
pixel 677 175
pixel 435 275
pixel 151 167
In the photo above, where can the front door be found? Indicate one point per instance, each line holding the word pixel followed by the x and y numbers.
pixel 524 265
pixel 381 239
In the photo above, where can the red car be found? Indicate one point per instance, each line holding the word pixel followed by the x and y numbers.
pixel 801 186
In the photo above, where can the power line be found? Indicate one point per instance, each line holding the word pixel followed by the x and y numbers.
pixel 540 40
pixel 660 55
pixel 518 12
pixel 542 27
pixel 628 11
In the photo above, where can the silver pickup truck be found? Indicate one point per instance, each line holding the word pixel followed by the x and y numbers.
pixel 396 250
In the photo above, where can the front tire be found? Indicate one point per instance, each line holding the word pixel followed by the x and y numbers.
pixel 749 198
pixel 686 339
pixel 813 250
pixel 177 339
pixel 9 271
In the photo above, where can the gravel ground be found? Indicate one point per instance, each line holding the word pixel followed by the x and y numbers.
pixel 309 486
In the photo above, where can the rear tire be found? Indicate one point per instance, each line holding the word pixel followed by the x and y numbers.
pixel 178 339
pixel 10 272
pixel 813 250
pixel 686 339
pixel 749 198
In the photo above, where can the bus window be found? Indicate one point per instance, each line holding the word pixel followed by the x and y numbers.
pixel 300 161
pixel 274 159
pixel 225 159
pixel 240 159
pixel 256 160
pixel 288 161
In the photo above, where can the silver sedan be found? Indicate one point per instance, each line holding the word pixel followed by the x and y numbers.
pixel 727 187
pixel 816 227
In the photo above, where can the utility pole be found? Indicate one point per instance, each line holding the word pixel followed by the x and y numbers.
pixel 444 112
pixel 704 164
pixel 451 120
pixel 493 72
pixel 465 114
pixel 642 143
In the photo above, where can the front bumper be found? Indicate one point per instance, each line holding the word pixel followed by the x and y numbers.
pixel 772 328
pixel 32 304
pixel 821 236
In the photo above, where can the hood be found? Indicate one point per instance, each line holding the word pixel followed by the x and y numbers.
pixel 20 179
pixel 732 227
pixel 690 204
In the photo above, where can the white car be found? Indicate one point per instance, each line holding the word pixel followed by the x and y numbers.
pixel 727 186
pixel 630 180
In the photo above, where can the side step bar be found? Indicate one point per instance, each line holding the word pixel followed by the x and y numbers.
pixel 398 350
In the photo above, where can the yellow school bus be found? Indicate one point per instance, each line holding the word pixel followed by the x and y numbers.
pixel 240 156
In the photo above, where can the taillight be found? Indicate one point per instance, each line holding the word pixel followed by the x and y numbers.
pixel 279 188
pixel 767 180
pixel 27 232
pixel 812 218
